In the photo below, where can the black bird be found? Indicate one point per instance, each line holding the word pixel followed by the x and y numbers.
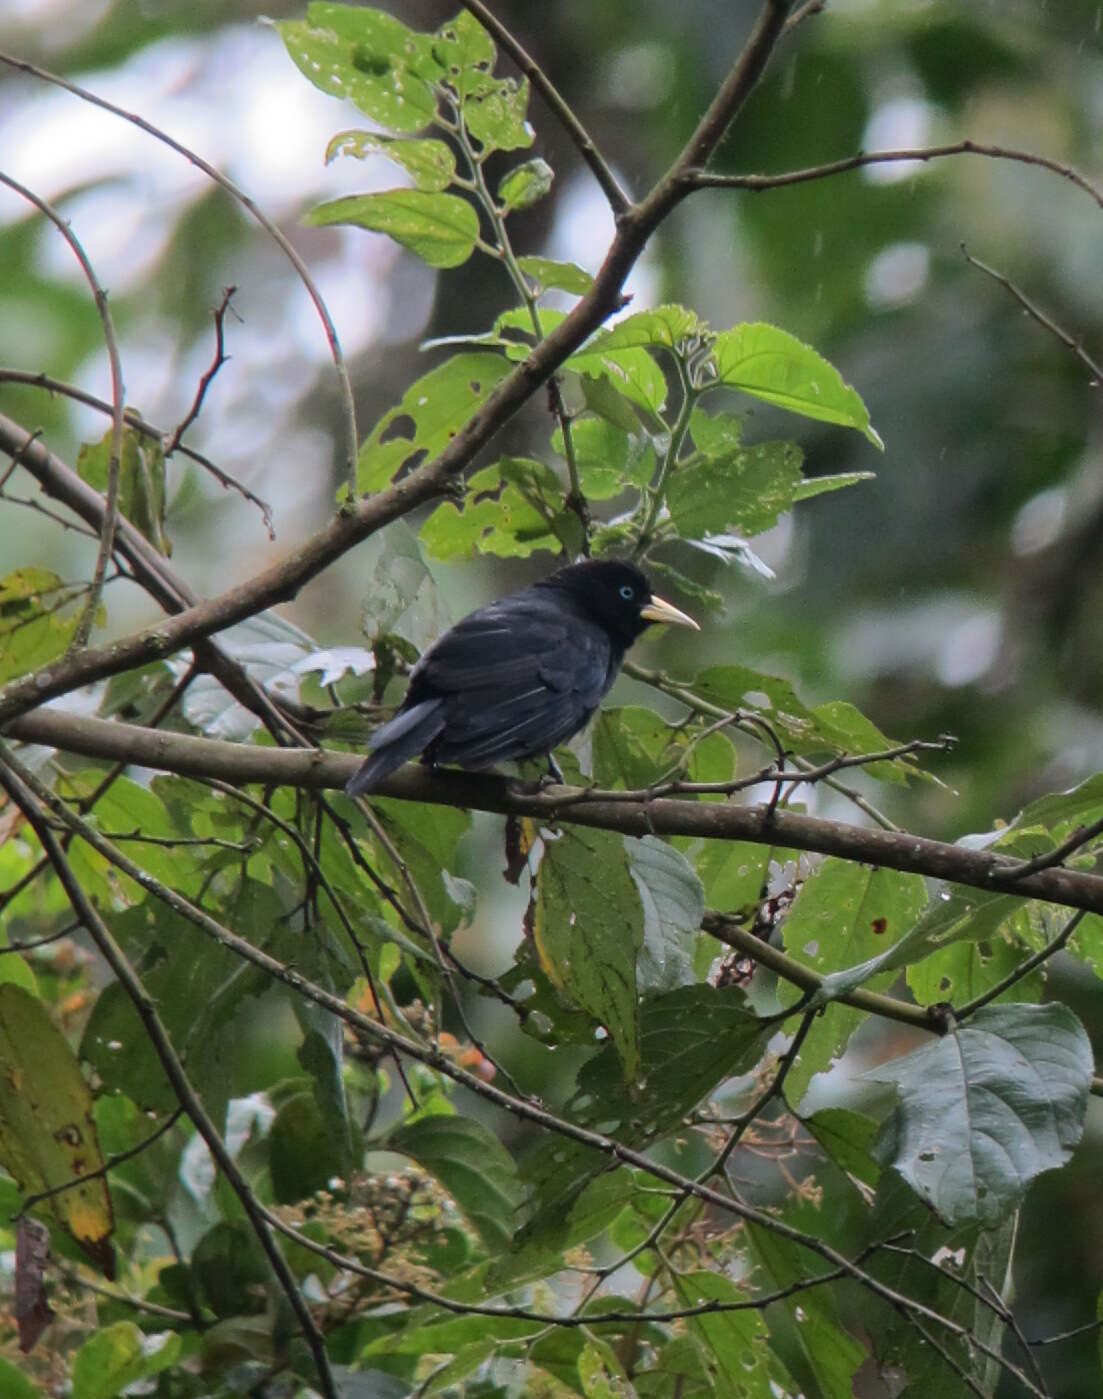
pixel 520 676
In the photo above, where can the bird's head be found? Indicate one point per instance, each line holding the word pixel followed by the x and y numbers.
pixel 618 597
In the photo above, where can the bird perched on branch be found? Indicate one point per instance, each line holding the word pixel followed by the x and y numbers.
pixel 520 676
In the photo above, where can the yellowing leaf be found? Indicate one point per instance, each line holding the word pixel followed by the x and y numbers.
pixel 47 1135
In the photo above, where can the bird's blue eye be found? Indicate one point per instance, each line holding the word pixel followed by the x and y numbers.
pixel 627 592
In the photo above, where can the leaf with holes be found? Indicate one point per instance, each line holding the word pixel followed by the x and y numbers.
pixel 984 1110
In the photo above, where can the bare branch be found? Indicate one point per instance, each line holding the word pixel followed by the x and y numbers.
pixel 708 179
pixel 1036 313
pixel 207 377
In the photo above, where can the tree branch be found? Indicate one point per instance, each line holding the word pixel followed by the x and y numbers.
pixel 317 768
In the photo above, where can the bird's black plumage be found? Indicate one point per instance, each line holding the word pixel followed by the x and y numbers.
pixel 518 677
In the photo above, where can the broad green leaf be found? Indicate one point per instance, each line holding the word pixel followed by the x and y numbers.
pixel 691 1040
pixel 118 1356
pixel 438 404
pixel 770 364
pixel 984 1110
pixel 368 57
pixel 548 273
pixel 666 327
pixel 737 874
pixel 47 1132
pixel 832 1355
pixel 849 731
pixel 962 970
pixel 745 489
pixel 588 930
pixel 848 1139
pixel 737 1341
pixel 673 906
pixel 429 163
pixel 525 184
pixel 609 460
pixel 441 229
pixel 141 481
pixel 844 913
pixel 630 370
pixel 472 1165
pixel 425 839
pixel 511 509
pixel 631 747
pixel 199 989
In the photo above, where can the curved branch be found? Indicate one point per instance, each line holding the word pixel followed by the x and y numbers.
pixel 709 179
pixel 317 768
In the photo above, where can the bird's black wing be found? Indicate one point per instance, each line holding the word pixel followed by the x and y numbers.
pixel 515 679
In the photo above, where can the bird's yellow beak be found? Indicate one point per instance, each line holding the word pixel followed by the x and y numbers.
pixel 657 610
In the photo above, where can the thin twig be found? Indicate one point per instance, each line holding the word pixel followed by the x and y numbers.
pixel 709 179
pixel 207 377
pixel 1036 313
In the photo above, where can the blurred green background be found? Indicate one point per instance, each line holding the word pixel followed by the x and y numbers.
pixel 958 592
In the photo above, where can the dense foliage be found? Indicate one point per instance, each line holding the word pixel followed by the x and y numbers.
pixel 735 1083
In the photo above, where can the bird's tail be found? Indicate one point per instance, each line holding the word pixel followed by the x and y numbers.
pixel 404 737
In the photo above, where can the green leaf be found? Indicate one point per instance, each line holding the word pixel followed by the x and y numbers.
pixel 511 510
pixel 844 913
pixel 987 1108
pixel 141 481
pixel 429 163
pixel 673 906
pixel 441 229
pixel 118 1356
pixel 472 1165
pixel 548 273
pixel 588 929
pixel 609 460
pixel 770 364
pixel 47 1132
pixel 745 489
pixel 34 629
pixel 14 1384
pixel 438 404
pixel 848 1139
pixel 368 57
pixel 737 1341
pixel 666 327
pixel 691 1040
pixel 831 1354
pixel 812 486
pixel 630 370
pixel 525 184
